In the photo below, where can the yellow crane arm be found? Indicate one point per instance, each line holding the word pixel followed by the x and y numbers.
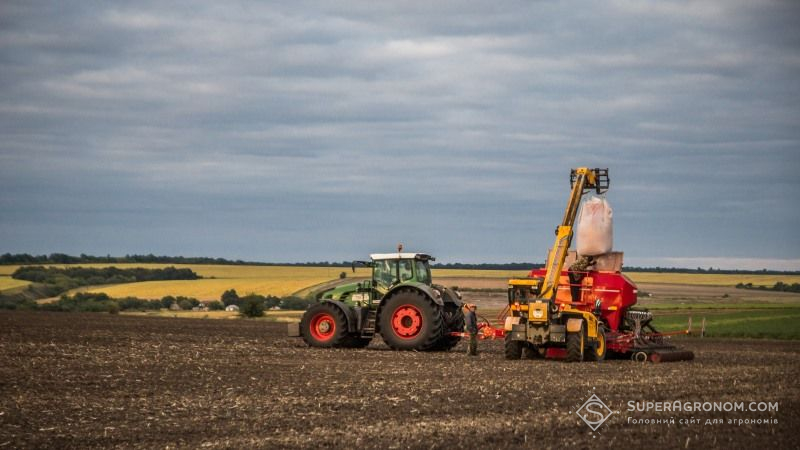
pixel 582 180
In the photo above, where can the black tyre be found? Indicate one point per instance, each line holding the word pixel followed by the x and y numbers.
pixel 530 351
pixel 453 317
pixel 513 348
pixel 324 325
pixel 598 353
pixel 575 346
pixel 411 321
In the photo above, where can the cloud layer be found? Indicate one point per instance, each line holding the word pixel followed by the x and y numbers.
pixel 325 131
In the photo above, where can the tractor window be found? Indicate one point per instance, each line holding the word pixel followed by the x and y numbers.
pixel 406 273
pixel 385 272
pixel 423 272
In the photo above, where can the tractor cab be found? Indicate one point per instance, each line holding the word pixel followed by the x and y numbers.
pixel 391 269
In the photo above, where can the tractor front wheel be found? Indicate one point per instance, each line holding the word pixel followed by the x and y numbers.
pixel 324 325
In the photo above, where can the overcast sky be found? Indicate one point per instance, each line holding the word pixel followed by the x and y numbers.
pixel 329 130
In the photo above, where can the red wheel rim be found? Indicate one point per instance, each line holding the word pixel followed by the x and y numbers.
pixel 322 327
pixel 407 322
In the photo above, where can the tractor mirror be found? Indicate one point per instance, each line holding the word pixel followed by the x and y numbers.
pixel 363 263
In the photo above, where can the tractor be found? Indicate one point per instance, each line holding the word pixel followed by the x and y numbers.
pixel 400 302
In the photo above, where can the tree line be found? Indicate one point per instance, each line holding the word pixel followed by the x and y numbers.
pixel 61 258
pixel 252 305
pixel 779 287
pixel 52 281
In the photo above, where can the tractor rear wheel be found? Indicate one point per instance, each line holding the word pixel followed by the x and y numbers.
pixel 575 346
pixel 513 348
pixel 453 317
pixel 324 325
pixel 598 353
pixel 411 321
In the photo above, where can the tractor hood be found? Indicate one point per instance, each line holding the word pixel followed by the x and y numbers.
pixel 339 291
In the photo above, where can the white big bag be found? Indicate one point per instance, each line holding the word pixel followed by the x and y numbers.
pixel 595 231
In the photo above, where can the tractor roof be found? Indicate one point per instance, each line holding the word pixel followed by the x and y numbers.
pixel 381 256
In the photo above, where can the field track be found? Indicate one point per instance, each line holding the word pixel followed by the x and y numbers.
pixel 98 380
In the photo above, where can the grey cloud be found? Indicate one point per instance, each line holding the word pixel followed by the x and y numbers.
pixel 326 130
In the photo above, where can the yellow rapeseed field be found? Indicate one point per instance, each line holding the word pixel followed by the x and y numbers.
pixel 472 273
pixel 7 282
pixel 264 280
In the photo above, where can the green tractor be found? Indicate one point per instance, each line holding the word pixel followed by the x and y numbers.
pixel 400 303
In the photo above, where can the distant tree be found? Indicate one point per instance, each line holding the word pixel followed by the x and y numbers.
pixel 185 304
pixel 17 301
pixel 271 301
pixel 230 297
pixel 343 275
pixel 167 301
pixel 215 306
pixel 252 306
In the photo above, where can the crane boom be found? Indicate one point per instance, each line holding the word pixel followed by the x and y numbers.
pixel 582 179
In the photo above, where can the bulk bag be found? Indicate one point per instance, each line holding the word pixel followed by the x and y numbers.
pixel 595 231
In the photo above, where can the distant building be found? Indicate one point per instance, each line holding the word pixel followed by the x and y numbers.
pixel 231 308
pixel 175 306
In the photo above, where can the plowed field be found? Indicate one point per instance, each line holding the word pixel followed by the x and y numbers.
pixel 98 380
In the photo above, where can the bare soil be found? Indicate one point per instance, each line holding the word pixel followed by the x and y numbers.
pixel 98 380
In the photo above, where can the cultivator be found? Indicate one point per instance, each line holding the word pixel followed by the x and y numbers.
pixel 643 343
